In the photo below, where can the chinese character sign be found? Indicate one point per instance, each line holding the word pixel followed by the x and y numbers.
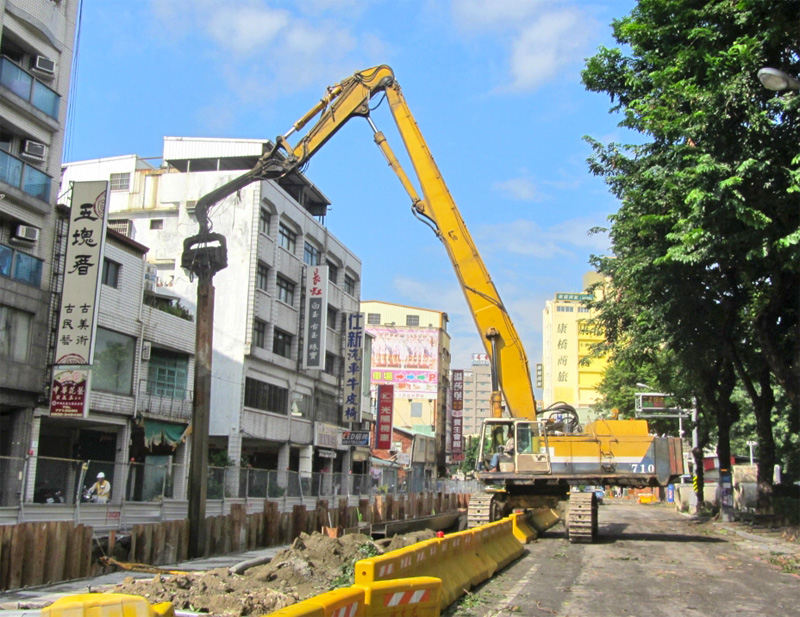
pixel 458 391
pixel 407 358
pixel 316 316
pixel 83 267
pixel 69 392
pixel 383 427
pixel 353 359
pixel 456 436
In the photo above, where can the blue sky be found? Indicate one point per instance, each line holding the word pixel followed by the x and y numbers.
pixel 494 86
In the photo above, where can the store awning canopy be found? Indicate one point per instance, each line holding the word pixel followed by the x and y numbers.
pixel 157 433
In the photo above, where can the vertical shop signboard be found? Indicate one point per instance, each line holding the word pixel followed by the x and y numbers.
pixel 456 420
pixel 383 427
pixel 353 371
pixel 456 436
pixel 69 392
pixel 84 265
pixel 316 317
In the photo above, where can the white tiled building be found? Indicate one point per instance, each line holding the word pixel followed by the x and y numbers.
pixel 36 47
pixel 265 409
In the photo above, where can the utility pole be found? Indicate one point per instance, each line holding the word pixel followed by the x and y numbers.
pixel 203 255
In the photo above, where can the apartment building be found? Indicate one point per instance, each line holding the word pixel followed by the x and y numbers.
pixel 477 394
pixel 140 393
pixel 36 49
pixel 266 409
pixel 411 351
pixel 567 340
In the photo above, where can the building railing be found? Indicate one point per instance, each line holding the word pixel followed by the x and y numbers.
pixel 20 266
pixel 24 85
pixel 166 401
pixel 48 480
pixel 25 177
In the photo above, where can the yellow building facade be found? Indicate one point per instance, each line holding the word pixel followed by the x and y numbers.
pixel 567 341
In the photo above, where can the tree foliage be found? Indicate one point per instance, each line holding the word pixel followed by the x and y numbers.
pixel 706 266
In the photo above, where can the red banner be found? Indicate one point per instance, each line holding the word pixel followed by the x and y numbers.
pixel 69 392
pixel 383 427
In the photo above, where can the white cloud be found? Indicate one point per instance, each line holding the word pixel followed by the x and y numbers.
pixel 525 237
pixel 246 29
pixel 518 189
pixel 503 14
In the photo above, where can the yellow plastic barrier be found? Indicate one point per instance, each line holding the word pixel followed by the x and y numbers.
pixel 522 531
pixel 347 602
pixel 107 605
pixel 542 519
pixel 421 559
pixel 480 551
pixel 419 596
pixel 453 569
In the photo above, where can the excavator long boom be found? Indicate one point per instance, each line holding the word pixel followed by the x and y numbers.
pixel 350 98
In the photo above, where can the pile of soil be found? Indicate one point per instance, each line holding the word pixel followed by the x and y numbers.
pixel 312 565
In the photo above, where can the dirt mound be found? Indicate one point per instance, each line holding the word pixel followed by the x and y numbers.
pixel 215 591
pixel 312 565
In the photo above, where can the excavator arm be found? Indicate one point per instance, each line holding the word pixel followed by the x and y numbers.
pixel 350 98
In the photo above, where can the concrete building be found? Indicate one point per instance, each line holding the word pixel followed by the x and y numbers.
pixel 36 48
pixel 477 394
pixel 567 339
pixel 266 410
pixel 411 350
pixel 141 395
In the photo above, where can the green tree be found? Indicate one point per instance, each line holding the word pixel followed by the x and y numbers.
pixel 705 242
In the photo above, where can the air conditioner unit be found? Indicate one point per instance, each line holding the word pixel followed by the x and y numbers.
pixel 146 349
pixel 191 204
pixel 150 277
pixel 26 232
pixel 44 66
pixel 34 150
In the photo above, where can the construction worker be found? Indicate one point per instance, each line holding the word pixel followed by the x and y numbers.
pixel 101 488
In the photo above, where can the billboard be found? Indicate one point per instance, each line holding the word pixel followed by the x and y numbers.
pixel 316 317
pixel 69 392
pixel 383 427
pixel 83 268
pixel 407 358
pixel 353 366
pixel 458 392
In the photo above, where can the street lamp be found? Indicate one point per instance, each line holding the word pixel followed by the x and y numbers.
pixel 775 79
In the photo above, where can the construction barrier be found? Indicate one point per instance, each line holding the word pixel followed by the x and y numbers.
pixel 542 519
pixel 107 605
pixel 419 596
pixel 522 531
pixel 346 602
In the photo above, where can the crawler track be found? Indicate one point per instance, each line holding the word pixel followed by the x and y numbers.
pixel 582 518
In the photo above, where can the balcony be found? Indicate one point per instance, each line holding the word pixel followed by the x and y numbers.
pixel 156 399
pixel 28 179
pixel 25 86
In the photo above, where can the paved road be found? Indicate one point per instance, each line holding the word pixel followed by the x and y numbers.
pixel 650 561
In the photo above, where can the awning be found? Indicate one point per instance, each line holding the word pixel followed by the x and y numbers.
pixel 157 433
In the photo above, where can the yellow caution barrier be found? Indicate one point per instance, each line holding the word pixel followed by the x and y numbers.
pixel 421 559
pixel 522 531
pixel 107 605
pixel 542 519
pixel 453 569
pixel 420 596
pixel 346 602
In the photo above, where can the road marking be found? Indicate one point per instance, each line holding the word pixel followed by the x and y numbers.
pixel 508 606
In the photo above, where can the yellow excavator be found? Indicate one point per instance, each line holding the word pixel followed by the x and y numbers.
pixel 552 453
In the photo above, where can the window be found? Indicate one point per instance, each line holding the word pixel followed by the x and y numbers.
pixel 262 276
pixel 287 238
pixel 167 374
pixel 349 285
pixel 265 396
pixel 565 309
pixel 112 370
pixel 412 320
pixel 15 334
pixel 583 309
pixel 330 363
pixel 416 410
pixel 333 315
pixel 20 266
pixel 260 334
pixel 111 273
pixel 328 408
pixel 120 182
pixel 263 220
pixel 285 291
pixel 311 255
pixel 333 272
pixel 374 318
pixel 157 224
pixel 282 344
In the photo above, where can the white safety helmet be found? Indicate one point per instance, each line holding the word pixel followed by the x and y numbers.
pixel 101 476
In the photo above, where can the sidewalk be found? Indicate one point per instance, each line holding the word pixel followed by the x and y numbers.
pixel 38 597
